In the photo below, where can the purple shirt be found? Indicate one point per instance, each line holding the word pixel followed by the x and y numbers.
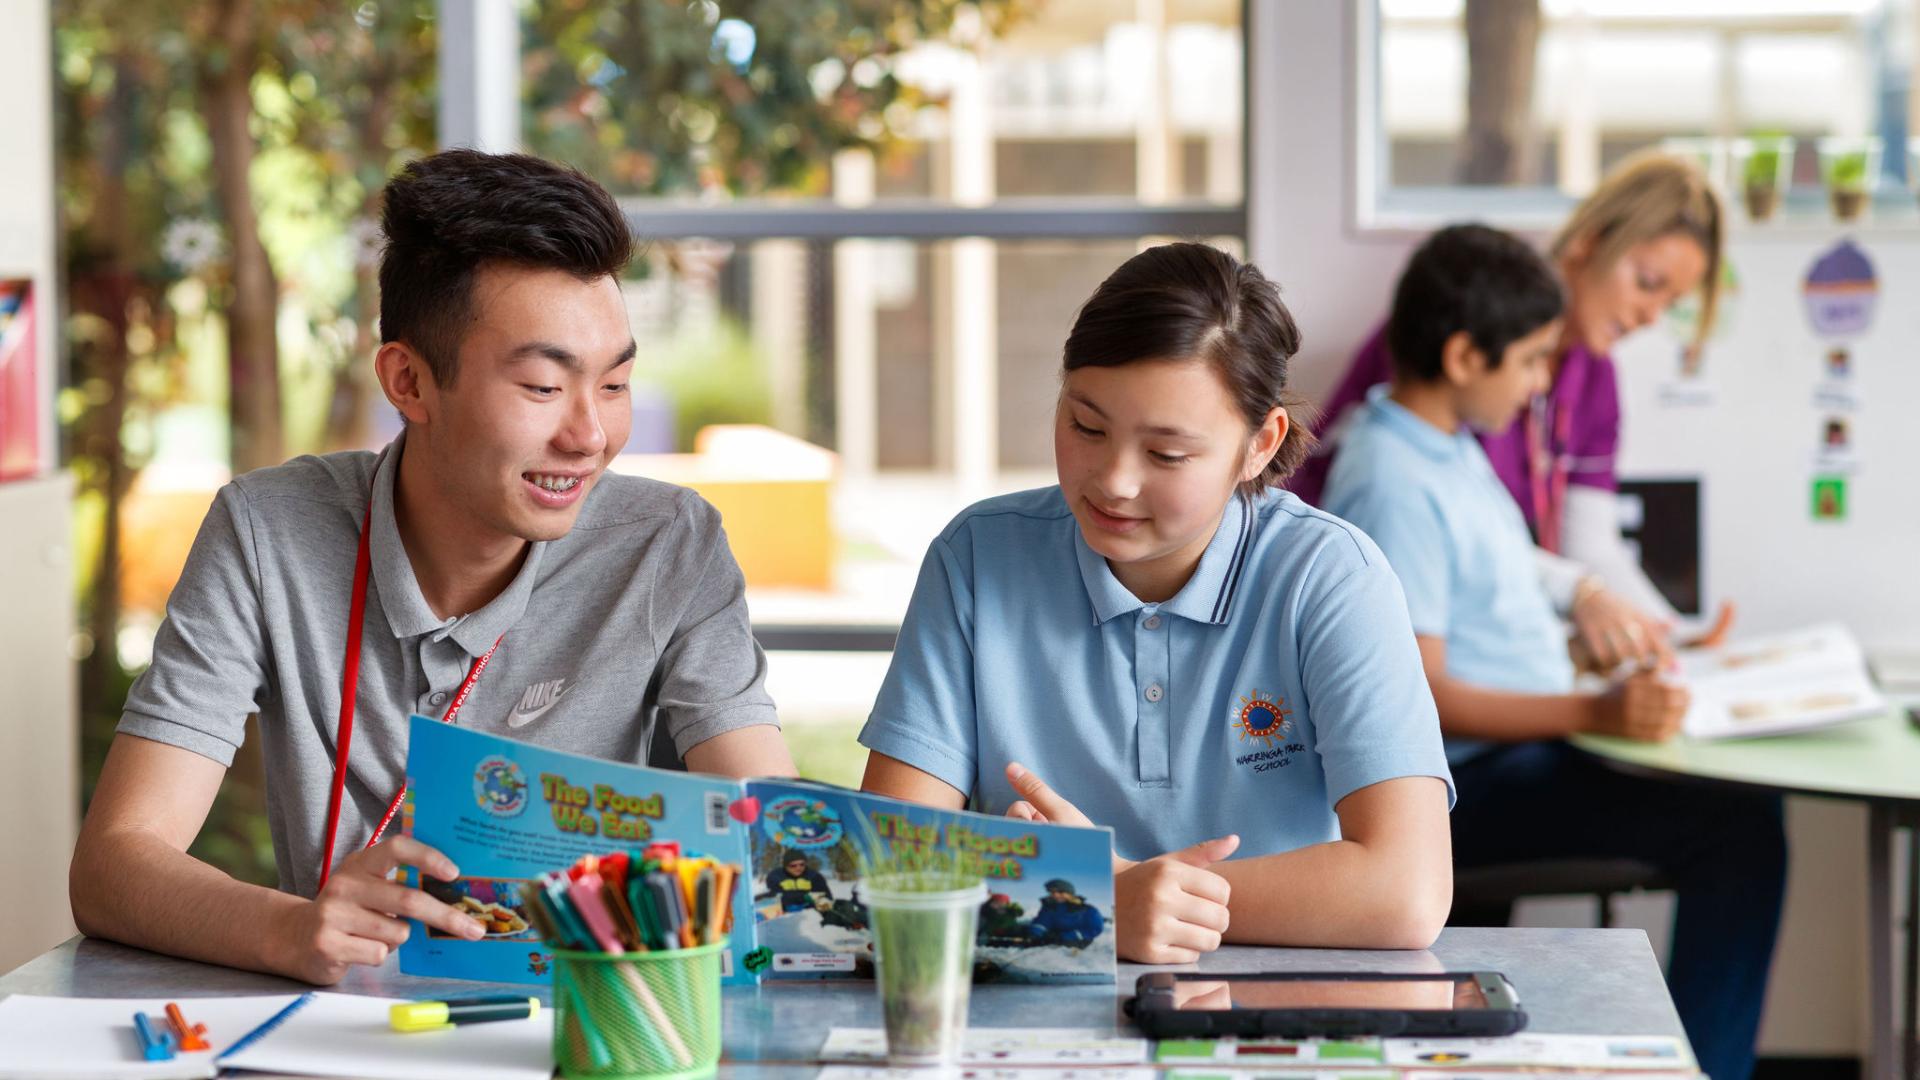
pixel 1578 422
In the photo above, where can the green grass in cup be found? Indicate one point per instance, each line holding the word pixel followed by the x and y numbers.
pixel 1848 171
pixel 1763 163
pixel 924 958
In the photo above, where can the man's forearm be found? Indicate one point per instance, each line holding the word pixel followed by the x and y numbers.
pixel 134 887
pixel 1475 712
pixel 1339 895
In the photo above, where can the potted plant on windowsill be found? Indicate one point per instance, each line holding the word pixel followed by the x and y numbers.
pixel 1764 164
pixel 1850 167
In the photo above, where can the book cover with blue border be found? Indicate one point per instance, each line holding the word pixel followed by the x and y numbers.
pixel 507 811
pixel 1048 917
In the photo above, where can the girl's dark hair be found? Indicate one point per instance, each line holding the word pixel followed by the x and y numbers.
pixel 448 214
pixel 1194 302
pixel 1472 278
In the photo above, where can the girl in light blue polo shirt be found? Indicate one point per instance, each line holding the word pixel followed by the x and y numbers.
pixel 1192 657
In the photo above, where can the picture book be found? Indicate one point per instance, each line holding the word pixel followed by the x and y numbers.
pixel 506 811
pixel 1778 683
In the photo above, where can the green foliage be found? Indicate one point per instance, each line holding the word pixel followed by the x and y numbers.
pixel 667 98
pixel 712 376
pixel 339 95
pixel 1848 171
pixel 1763 163
pixel 638 93
pixel 819 749
pixel 898 863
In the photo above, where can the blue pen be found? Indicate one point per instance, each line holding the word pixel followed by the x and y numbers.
pixel 156 1042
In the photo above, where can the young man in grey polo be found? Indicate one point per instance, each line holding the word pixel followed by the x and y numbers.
pixel 500 575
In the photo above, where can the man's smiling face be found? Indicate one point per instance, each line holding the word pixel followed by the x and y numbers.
pixel 538 405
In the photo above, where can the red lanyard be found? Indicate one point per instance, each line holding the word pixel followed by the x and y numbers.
pixel 350 686
pixel 1548 427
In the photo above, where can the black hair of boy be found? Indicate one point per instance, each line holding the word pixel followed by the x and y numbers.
pixel 1190 301
pixel 1468 277
pixel 447 215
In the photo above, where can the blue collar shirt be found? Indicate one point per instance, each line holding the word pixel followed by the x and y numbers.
pixel 1280 679
pixel 1460 547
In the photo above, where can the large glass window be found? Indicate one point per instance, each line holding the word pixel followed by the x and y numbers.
pixel 1465 99
pixel 870 226
pixel 959 102
pixel 891 212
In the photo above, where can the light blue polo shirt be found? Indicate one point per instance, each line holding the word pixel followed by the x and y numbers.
pixel 1281 678
pixel 1455 537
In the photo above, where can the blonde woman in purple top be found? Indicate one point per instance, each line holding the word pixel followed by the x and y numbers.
pixel 1647 236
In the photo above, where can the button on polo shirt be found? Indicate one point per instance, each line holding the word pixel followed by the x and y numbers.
pixel 1460 546
pixel 1282 677
pixel 636 616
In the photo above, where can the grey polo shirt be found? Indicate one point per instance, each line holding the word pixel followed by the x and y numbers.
pixel 636 616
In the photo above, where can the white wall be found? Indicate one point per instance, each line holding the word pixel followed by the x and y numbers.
pixel 39 740
pixel 1335 280
pixel 1754 446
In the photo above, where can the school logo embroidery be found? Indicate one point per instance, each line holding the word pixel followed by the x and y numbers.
pixel 539 697
pixel 1264 718
pixel 499 787
pixel 1260 717
pixel 798 822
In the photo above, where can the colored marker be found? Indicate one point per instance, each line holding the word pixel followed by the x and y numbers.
pixel 188 1034
pixel 156 1042
pixel 439 1015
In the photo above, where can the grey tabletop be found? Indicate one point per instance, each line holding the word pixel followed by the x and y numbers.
pixel 1595 982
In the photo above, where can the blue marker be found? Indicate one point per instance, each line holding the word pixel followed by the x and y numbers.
pixel 156 1042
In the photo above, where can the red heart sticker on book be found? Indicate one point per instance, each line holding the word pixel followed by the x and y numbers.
pixel 744 810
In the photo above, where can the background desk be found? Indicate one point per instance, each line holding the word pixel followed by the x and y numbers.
pixel 1598 982
pixel 1872 761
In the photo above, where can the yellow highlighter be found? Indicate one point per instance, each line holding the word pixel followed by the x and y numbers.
pixel 439 1015
pixel 688 871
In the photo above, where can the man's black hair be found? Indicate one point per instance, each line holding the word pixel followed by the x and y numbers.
pixel 447 215
pixel 1472 278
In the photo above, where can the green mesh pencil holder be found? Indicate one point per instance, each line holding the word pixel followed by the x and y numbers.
pixel 653 1014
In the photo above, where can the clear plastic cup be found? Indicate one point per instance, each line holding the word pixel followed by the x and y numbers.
pixel 1763 170
pixel 923 960
pixel 1851 168
pixel 1709 155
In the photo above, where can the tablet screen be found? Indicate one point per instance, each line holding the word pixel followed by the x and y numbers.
pixel 1460 992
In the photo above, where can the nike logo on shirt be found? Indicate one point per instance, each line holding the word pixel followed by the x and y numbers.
pixel 539 697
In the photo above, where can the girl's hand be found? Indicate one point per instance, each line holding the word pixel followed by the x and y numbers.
pixel 1043 804
pixel 1167 910
pixel 1170 909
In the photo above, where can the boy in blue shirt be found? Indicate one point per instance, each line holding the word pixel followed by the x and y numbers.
pixel 1474 320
